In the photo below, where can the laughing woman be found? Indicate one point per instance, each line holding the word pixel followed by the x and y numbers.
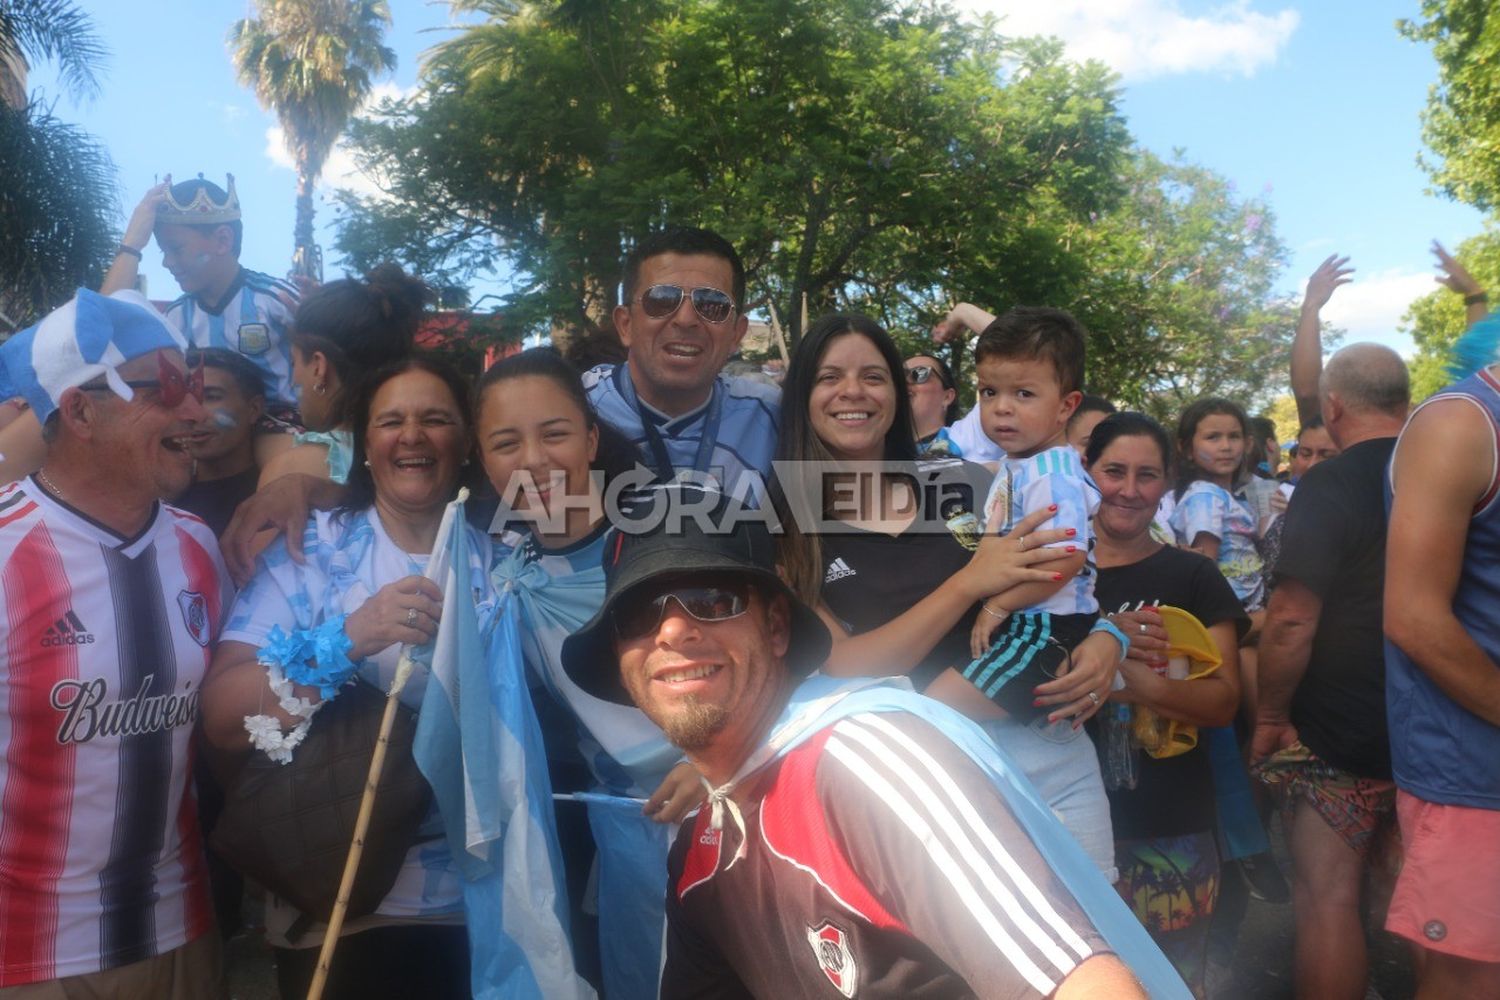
pixel 358 597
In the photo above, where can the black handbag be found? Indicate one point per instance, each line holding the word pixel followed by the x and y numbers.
pixel 289 826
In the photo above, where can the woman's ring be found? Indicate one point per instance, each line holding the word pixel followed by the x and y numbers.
pixel 1143 628
pixel 1022 542
pixel 411 617
pixel 1093 697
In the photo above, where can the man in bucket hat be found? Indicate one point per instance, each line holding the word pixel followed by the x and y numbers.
pixel 858 837
pixel 112 602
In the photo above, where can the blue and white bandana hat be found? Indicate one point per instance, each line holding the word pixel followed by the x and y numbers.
pixel 89 336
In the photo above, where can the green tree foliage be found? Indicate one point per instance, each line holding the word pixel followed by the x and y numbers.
pixel 313 62
pixel 57 184
pixel 57 212
pixel 58 31
pixel 1436 320
pixel 861 154
pixel 1461 123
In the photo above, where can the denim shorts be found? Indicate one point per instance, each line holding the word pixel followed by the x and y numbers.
pixel 1060 761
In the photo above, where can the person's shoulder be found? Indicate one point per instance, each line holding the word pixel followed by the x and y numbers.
pixel 266 284
pixel 19 513
pixel 742 387
pixel 188 521
pixel 598 377
pixel 1203 488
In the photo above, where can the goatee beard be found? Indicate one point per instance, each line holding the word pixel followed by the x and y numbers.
pixel 694 727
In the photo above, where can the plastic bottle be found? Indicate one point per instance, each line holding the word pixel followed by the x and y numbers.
pixel 1121 755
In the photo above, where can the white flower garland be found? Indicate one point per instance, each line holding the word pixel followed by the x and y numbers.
pixel 265 730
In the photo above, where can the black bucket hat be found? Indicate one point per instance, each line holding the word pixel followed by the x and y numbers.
pixel 662 540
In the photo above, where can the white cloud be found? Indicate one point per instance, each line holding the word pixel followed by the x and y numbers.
pixel 1145 38
pixel 1371 306
pixel 340 171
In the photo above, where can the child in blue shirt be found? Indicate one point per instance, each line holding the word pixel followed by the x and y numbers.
pixel 1029 364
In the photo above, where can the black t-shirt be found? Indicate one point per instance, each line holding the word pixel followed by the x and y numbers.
pixel 1175 796
pixel 214 500
pixel 1334 545
pixel 870 578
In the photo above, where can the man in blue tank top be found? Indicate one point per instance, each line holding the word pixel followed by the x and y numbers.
pixel 681 318
pixel 1442 623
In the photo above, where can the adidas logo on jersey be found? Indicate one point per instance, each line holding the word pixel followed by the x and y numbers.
pixel 67 631
pixel 837 570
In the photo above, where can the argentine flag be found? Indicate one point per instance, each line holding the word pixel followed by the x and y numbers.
pixel 480 748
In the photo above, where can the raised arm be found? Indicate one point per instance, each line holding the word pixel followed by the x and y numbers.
pixel 126 267
pixel 1307 347
pixel 1443 465
pixel 964 316
pixel 1456 278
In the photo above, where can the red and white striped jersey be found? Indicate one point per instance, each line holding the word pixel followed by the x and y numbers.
pixel 102 651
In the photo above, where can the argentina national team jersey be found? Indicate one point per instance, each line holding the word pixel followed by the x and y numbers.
pixel 105 644
pixel 731 437
pixel 1053 476
pixel 255 320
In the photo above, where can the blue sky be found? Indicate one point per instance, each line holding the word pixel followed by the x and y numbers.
pixel 1320 101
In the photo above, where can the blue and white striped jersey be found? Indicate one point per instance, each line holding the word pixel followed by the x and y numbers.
pixel 1054 476
pixel 255 319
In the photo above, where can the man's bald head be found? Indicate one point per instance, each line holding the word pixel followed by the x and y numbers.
pixel 1367 378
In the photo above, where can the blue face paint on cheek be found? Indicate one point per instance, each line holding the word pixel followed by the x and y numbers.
pixel 201 259
pixel 224 421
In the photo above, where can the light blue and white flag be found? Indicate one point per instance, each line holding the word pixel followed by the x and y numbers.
pixel 480 748
pixel 632 852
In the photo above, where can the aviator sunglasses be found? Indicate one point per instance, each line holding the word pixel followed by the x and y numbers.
pixel 712 305
pixel 640 614
pixel 922 374
pixel 173 384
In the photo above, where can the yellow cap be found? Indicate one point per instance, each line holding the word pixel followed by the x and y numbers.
pixel 1186 636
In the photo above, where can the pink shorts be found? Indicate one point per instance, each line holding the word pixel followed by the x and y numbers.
pixel 1448 893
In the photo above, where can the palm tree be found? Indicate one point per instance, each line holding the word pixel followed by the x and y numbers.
pixel 57 30
pixel 57 183
pixel 313 63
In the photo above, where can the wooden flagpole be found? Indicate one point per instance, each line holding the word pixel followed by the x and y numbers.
pixel 361 827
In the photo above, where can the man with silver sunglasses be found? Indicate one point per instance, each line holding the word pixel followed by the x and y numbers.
pixel 681 318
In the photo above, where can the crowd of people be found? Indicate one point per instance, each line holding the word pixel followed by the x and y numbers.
pixel 906 699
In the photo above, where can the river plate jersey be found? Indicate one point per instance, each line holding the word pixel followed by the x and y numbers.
pixel 255 320
pixel 877 861
pixel 105 644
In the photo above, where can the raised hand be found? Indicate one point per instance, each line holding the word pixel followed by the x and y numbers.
pixel 1454 277
pixel 143 220
pixel 1329 275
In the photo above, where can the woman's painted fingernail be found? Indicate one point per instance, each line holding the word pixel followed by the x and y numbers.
pixel 1071 531
pixel 1037 703
pixel 1072 548
pixel 1052 507
pixel 1057 576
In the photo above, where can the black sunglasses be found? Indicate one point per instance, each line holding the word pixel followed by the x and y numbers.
pixel 711 304
pixel 717 600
